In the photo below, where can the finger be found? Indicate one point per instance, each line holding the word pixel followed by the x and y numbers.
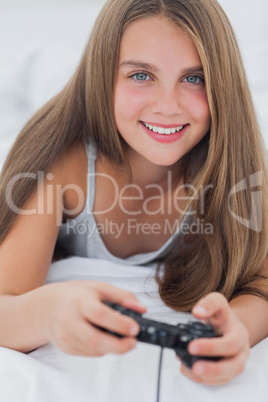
pixel 226 346
pixel 214 307
pixel 189 374
pixel 216 373
pixel 94 342
pixel 105 317
pixel 89 341
pixel 120 296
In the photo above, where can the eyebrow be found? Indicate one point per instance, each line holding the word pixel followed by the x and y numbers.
pixel 139 64
pixel 150 67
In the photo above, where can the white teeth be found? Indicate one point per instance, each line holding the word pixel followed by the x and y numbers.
pixel 161 130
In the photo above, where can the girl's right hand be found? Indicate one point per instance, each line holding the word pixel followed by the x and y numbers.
pixel 72 307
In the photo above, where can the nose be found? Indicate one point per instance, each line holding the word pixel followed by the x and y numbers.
pixel 167 101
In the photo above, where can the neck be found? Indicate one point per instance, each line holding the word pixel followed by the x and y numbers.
pixel 145 173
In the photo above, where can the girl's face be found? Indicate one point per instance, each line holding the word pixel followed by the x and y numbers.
pixel 161 107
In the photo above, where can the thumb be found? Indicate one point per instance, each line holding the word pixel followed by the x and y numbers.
pixel 213 307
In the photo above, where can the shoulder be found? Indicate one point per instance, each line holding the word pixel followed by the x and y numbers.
pixel 70 178
pixel 70 162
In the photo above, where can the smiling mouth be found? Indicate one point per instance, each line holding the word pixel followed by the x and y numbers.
pixel 162 130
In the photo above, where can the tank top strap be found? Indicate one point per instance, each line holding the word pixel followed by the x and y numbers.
pixel 91 151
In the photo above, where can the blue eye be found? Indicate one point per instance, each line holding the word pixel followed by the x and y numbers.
pixel 194 79
pixel 140 77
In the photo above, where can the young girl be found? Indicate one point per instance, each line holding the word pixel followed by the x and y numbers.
pixel 151 153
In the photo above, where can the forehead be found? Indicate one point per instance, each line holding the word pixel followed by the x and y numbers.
pixel 157 37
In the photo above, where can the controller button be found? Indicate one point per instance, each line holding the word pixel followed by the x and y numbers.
pixel 185 338
pixel 151 330
pixel 153 334
pixel 197 325
pixel 162 334
pixel 198 334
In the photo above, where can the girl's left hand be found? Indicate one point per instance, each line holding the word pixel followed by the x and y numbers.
pixel 233 346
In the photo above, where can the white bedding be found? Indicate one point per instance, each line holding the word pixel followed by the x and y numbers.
pixel 48 375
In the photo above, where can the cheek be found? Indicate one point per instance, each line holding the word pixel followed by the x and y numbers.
pixel 129 102
pixel 197 106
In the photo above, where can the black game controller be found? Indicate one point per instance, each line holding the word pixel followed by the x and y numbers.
pixel 169 336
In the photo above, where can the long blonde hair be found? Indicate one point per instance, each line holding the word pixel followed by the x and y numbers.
pixel 232 260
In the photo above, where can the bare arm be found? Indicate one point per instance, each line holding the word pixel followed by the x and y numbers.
pixel 253 312
pixel 62 313
pixel 25 258
pixel 21 317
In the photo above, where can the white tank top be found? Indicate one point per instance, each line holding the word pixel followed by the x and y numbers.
pixel 81 237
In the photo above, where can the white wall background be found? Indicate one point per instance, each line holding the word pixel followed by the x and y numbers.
pixel 41 42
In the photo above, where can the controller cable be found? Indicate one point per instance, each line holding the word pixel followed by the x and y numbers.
pixel 159 375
